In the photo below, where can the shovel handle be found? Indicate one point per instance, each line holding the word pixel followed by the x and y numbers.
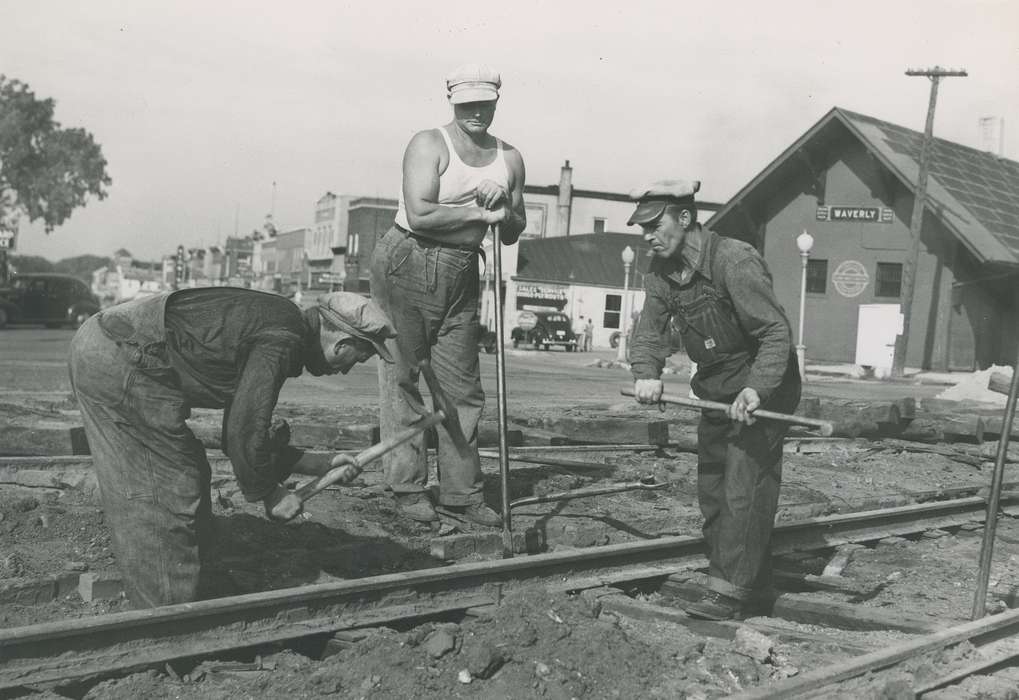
pixel 825 427
pixel 347 468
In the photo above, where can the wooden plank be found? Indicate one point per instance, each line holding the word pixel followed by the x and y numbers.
pixel 840 561
pixel 617 603
pixel 611 429
pixel 999 382
pixel 996 626
pixel 798 607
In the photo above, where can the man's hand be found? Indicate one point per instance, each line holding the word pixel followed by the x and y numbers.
pixel 490 194
pixel 282 504
pixel 647 390
pixel 494 216
pixel 745 404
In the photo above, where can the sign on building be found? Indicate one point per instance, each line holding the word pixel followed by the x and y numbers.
pixel 850 278
pixel 541 291
pixel 863 215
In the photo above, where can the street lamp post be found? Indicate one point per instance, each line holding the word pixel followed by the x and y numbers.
pixel 804 242
pixel 628 256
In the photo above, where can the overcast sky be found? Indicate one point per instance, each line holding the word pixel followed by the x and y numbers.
pixel 200 105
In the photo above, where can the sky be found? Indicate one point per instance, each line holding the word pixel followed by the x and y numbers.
pixel 200 106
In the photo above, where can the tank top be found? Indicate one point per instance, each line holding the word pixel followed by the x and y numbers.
pixel 457 187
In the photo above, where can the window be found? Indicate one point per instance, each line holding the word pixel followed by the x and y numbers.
pixel 817 276
pixel 613 306
pixel 599 225
pixel 352 245
pixel 888 282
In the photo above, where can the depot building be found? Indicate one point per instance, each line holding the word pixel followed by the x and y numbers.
pixel 849 182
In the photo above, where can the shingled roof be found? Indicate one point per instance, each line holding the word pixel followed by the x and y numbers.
pixel 592 259
pixel 974 193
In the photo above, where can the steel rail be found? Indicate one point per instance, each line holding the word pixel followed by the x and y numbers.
pixel 121 642
pixel 816 683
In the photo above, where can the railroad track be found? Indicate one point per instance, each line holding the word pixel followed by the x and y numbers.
pixel 65 651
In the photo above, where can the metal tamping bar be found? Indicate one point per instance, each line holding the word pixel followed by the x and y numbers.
pixel 993 499
pixel 824 426
pixel 643 485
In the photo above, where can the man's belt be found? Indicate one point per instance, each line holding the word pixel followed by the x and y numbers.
pixel 425 240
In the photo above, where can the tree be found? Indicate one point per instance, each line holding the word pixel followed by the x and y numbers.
pixel 46 171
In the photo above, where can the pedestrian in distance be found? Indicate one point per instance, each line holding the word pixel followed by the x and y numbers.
pixel 138 368
pixel 580 334
pixel 588 335
pixel 718 293
pixel 458 180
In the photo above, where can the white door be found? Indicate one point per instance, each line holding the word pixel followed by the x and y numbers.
pixel 876 328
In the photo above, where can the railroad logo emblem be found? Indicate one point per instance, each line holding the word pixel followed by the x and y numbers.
pixel 850 278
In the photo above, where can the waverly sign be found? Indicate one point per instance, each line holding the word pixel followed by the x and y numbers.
pixel 862 215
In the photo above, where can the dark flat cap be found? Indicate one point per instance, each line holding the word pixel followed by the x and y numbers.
pixel 653 198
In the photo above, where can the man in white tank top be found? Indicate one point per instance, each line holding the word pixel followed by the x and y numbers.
pixel 458 180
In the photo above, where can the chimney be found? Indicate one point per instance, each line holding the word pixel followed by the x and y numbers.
pixel 565 198
pixel 992 135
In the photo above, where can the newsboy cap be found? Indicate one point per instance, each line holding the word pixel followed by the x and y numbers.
pixel 473 82
pixel 357 316
pixel 652 199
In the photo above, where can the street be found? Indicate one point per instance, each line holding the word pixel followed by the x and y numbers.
pixel 33 362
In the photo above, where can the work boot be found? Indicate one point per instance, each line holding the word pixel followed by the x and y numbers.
pixel 416 506
pixel 477 513
pixel 715 606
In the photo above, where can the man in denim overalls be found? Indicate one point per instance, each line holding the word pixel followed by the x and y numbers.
pixel 137 370
pixel 717 293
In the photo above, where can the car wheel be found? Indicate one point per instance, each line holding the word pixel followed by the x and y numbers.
pixel 546 347
pixel 570 348
pixel 490 349
pixel 516 342
pixel 614 339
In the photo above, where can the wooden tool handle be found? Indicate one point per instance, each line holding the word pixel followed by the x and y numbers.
pixel 347 468
pixel 824 426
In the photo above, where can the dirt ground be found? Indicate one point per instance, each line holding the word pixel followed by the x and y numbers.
pixel 537 645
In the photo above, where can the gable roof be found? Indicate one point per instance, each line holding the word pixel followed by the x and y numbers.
pixel 592 259
pixel 974 193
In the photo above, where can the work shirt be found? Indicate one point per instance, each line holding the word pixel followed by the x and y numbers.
pixel 233 349
pixel 726 312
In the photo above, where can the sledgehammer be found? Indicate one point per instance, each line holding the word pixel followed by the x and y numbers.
pixel 824 426
pixel 346 468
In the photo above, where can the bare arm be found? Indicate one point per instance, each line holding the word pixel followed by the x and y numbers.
pixel 421 189
pixel 516 215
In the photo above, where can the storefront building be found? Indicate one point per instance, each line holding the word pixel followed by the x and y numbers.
pixel 849 182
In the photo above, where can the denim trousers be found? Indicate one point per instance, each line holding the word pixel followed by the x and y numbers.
pixel 431 294
pixel 739 473
pixel 154 478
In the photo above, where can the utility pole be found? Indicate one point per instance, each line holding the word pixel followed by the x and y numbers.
pixel 935 75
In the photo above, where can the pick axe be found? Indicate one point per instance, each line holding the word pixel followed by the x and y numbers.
pixel 346 468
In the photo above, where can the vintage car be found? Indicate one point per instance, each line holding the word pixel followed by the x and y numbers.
pixel 48 298
pixel 544 329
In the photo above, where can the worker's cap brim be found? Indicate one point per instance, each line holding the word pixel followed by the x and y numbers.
pixel 359 317
pixel 647 212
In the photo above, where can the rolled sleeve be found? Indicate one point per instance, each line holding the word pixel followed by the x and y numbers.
pixel 651 346
pixel 761 316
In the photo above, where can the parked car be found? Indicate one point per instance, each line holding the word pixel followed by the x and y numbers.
pixel 544 329
pixel 52 299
